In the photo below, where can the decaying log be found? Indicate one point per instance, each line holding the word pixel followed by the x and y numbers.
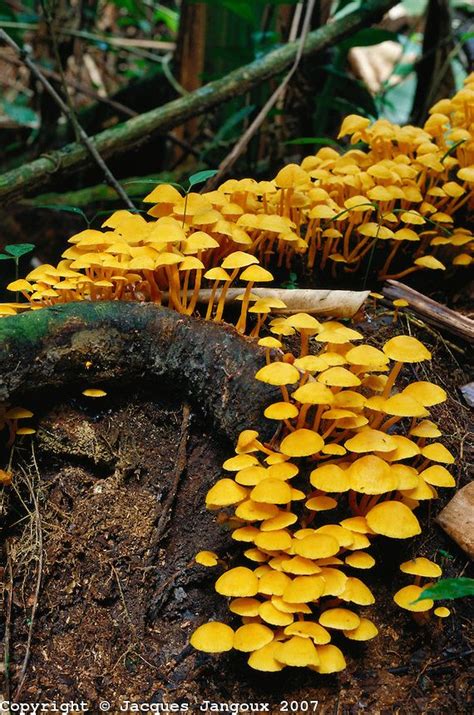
pixel 432 311
pixel 325 303
pixel 80 345
pixel 125 136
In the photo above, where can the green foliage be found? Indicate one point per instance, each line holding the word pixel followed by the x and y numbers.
pixel 14 253
pixel 448 589
pixel 200 177
pixel 292 282
pixel 18 250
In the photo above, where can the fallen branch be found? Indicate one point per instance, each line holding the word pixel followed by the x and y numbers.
pixel 138 129
pixel 78 345
pixel 334 303
pixel 431 310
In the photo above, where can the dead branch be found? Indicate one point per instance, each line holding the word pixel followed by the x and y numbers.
pixel 432 311
pixel 325 303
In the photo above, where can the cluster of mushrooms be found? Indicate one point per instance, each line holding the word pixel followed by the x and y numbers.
pixel 397 199
pixel 351 459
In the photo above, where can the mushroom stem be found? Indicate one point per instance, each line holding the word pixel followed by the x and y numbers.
pixel 402 274
pixel 304 349
pixel 391 379
pixel 302 415
pixel 317 418
pixel 210 305
pixel 389 423
pixel 242 321
pixel 184 291
pixel 353 505
pixel 154 290
pixel 194 298
pixel 225 288
pixel 260 321
pixel 174 287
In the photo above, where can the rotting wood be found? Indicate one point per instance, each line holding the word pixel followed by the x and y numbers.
pixel 79 345
pixel 129 134
pixel 325 303
pixel 431 310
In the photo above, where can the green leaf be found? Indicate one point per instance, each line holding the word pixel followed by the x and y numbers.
pixel 323 141
pixel 20 249
pixel 448 588
pixel 3 257
pixel 200 176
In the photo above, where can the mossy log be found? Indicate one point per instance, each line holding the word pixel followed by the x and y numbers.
pixel 81 345
pixel 74 156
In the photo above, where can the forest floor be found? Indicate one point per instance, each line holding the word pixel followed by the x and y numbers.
pixel 120 593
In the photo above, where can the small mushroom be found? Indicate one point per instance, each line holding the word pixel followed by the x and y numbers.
pixel 213 637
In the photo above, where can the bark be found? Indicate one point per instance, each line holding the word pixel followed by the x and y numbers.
pixel 79 345
pixel 432 311
pixel 73 157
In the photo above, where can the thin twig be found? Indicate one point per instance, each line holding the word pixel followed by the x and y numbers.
pixel 39 574
pixel 244 140
pixel 85 140
pixel 122 598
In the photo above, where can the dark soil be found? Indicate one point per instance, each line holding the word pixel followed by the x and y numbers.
pixel 120 594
